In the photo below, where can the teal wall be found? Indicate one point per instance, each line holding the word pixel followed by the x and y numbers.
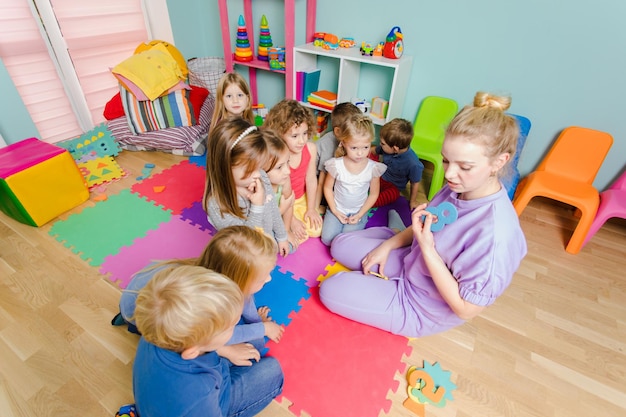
pixel 563 62
pixel 15 122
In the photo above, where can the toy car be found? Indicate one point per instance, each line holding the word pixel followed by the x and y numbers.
pixel 330 41
pixel 346 43
pixel 318 38
pixel 366 49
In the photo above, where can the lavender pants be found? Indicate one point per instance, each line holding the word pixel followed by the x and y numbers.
pixel 366 298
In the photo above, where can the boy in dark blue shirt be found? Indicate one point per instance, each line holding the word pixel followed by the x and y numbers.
pixel 402 162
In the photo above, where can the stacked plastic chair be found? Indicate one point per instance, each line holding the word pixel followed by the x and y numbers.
pixel 433 117
pixel 566 174
pixel 510 182
pixel 612 204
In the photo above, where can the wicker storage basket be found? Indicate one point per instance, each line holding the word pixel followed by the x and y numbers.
pixel 206 72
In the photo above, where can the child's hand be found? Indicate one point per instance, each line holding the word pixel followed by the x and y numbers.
pixel 257 192
pixel 283 248
pixel 314 218
pixel 241 354
pixel 264 313
pixel 414 204
pixel 354 219
pixel 341 217
pixel 273 330
pixel 298 229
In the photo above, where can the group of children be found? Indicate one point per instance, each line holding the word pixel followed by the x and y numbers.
pixel 202 334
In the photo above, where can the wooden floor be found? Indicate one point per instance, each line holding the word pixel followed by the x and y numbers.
pixel 553 345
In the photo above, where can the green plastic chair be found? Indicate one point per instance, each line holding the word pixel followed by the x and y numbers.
pixel 433 117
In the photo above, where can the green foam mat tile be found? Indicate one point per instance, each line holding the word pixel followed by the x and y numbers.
pixel 103 229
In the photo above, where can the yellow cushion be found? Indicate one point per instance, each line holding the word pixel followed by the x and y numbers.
pixel 171 49
pixel 154 71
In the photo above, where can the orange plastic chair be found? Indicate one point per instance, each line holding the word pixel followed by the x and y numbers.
pixel 433 117
pixel 612 204
pixel 566 174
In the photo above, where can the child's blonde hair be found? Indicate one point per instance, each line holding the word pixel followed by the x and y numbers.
pixel 287 114
pixel 357 124
pixel 184 306
pixel 239 252
pixel 276 147
pixel 226 81
pixel 487 123
pixel 341 113
pixel 397 132
pixel 232 143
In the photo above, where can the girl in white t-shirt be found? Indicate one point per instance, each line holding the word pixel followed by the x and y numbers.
pixel 353 181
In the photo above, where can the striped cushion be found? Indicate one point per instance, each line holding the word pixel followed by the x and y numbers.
pixel 171 110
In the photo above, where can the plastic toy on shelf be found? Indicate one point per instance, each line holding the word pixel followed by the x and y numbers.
pixel 347 43
pixel 366 49
pixel 330 41
pixel 277 59
pixel 378 51
pixel 394 44
pixel 265 40
pixel 243 52
pixel 318 38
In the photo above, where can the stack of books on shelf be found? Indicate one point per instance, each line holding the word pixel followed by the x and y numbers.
pixel 307 81
pixel 323 98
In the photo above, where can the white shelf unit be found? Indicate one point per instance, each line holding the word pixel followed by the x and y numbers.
pixel 350 61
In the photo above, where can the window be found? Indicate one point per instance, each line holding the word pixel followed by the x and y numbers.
pixel 60 60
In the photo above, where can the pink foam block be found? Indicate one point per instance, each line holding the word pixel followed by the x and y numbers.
pixel 308 261
pixel 335 367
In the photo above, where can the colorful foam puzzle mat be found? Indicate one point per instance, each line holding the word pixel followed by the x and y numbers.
pixel 99 231
pixel 96 143
pixel 183 185
pixel 333 366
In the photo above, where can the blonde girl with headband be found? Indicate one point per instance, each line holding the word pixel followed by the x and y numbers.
pixel 245 256
pixel 352 181
pixel 237 190
pixel 232 99
pixel 458 257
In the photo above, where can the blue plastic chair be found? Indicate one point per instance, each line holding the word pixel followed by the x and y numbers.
pixel 510 182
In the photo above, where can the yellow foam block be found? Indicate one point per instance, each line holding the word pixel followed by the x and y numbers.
pixel 49 188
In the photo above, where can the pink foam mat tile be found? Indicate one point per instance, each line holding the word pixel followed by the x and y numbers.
pixel 175 239
pixel 335 367
pixel 175 188
pixel 308 261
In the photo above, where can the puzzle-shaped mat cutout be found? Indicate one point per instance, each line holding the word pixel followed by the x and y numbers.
pixel 283 295
pixel 100 170
pixel 337 367
pixel 183 185
pixel 174 239
pixel 196 215
pixel 199 160
pixel 103 229
pixel 98 142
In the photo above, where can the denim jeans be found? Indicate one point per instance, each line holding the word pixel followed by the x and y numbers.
pixel 254 387
pixel 332 226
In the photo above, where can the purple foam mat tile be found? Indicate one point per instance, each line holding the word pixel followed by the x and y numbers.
pixel 379 216
pixel 176 239
pixel 308 261
pixel 196 215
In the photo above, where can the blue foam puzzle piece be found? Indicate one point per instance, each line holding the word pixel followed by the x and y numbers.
pixel 199 160
pixel 283 295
